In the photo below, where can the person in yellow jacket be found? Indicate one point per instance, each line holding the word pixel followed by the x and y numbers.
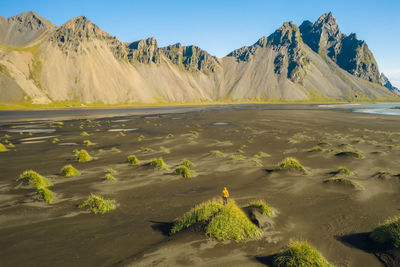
pixel 225 195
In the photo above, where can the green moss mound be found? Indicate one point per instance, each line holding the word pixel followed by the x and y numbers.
pixel 133 160
pixel 302 254
pixel 46 194
pixel 220 221
pixel 262 206
pixel 69 170
pixel 184 171
pixel 2 148
pixel 343 181
pixel 157 163
pixel 82 155
pixel 96 204
pixel 32 177
pixel 290 163
pixel 388 233
pixel 344 170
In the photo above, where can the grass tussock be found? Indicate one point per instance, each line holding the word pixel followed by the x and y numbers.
pixel 300 253
pixel 317 149
pixel 97 204
pixel 261 154
pixel 237 157
pixel 146 149
pixel 32 177
pixel 262 206
pixel 165 150
pixel 184 171
pixel 187 163
pixel 111 170
pixel 55 140
pixel 133 160
pixel 114 149
pixel 109 177
pixel 388 233
pixel 2 148
pixel 343 181
pixel 157 163
pixel 82 156
pixel 290 163
pixel 221 222
pixel 353 154
pixel 344 170
pixel 140 138
pixel 46 194
pixel 69 170
pixel 88 143
pixel 217 153
pixel 84 133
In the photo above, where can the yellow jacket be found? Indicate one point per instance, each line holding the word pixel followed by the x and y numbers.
pixel 225 192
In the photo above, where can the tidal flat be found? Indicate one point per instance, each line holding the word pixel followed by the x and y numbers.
pixel 238 147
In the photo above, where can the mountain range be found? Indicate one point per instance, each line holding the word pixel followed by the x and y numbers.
pixel 41 63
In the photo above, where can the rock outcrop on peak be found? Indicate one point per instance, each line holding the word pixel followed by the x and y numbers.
pixel 351 54
pixel 192 58
pixel 71 36
pixel 144 51
pixel 23 28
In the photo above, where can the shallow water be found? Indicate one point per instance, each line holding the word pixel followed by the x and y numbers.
pixel 31 131
pixel 371 108
pixel 122 130
pixel 220 123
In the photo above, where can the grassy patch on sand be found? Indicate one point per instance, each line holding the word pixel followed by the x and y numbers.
pixel 290 163
pixel 88 143
pixel 353 154
pixel 317 149
pixel 110 177
pixel 82 155
pixel 2 148
pixel 300 253
pixel 220 221
pixel 133 160
pixel 32 177
pixel 110 170
pixel 46 194
pixel 388 233
pixel 262 206
pixel 68 171
pixel 184 171
pixel 343 181
pixel 344 170
pixel 97 204
pixel 261 154
pixel 217 153
pixel 157 163
pixel 187 163
pixel 84 133
pixel 165 150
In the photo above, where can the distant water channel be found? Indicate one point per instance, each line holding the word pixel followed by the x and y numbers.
pixel 372 108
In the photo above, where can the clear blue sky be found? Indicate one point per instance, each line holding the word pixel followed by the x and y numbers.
pixel 222 26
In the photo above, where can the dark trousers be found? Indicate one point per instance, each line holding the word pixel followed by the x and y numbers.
pixel 225 200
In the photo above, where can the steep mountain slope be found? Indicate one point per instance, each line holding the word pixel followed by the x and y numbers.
pixel 80 62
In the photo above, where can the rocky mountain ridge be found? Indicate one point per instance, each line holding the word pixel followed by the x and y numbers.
pixel 78 61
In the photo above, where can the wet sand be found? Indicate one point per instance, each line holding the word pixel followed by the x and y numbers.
pixel 335 219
